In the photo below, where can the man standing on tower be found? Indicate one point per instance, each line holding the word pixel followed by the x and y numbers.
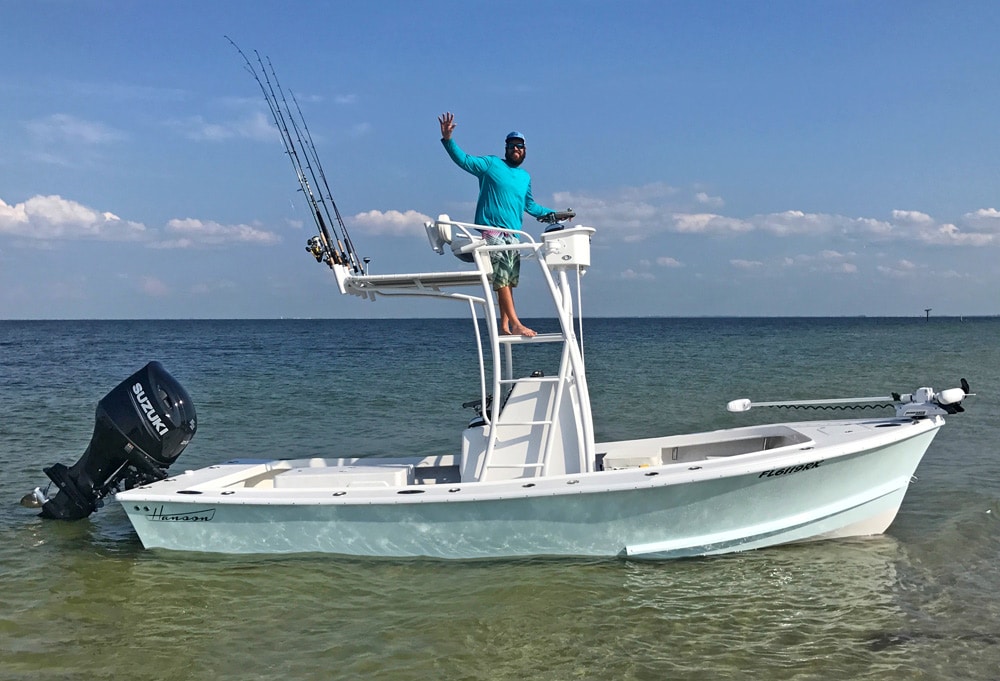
pixel 504 196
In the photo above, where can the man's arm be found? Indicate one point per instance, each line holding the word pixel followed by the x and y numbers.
pixel 476 165
pixel 533 209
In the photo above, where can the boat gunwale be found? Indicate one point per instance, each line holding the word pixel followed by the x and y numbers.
pixel 596 482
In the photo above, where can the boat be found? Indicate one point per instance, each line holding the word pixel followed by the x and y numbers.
pixel 526 476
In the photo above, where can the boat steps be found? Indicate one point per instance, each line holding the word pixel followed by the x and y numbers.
pixel 530 379
pixel 540 338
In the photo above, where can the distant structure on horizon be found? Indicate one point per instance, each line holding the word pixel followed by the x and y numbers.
pixel 927 313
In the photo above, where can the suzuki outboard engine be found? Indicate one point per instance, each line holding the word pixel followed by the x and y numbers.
pixel 141 427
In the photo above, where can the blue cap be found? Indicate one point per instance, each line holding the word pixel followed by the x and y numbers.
pixel 514 135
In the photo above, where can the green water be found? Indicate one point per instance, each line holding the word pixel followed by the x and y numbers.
pixel 83 600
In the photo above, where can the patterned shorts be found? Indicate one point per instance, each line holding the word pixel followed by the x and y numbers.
pixel 506 264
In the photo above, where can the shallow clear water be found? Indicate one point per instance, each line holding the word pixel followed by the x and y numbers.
pixel 84 600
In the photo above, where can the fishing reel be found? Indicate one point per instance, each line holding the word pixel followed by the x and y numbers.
pixel 315 246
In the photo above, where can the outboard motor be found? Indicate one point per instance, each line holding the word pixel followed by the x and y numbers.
pixel 141 427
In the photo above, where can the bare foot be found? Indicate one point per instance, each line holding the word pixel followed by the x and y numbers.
pixel 522 330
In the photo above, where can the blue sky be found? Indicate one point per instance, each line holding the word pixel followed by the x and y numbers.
pixel 737 158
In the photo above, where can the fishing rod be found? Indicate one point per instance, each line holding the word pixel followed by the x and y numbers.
pixel 920 402
pixel 311 149
pixel 345 257
pixel 324 247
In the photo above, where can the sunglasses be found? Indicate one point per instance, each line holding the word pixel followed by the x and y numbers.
pixel 515 145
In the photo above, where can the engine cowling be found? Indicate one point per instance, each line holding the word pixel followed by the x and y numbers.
pixel 140 429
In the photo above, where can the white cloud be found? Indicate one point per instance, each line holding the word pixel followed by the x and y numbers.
pixel 192 232
pixel 634 214
pixel 907 269
pixel 912 217
pixel 391 222
pixel 649 192
pixel 212 287
pixel 797 222
pixel 46 218
pixel 664 261
pixel 902 269
pixel 64 128
pixel 746 264
pixel 153 287
pixel 167 244
pixel 126 92
pixel 53 217
pixel 991 213
pixel 256 126
pixel 828 261
pixel 951 235
pixel 704 199
pixel 361 129
pixel 986 220
pixel 50 158
pixel 791 222
pixel 982 228
pixel 708 223
pixel 631 274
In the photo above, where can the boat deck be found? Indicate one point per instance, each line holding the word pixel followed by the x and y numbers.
pixel 620 465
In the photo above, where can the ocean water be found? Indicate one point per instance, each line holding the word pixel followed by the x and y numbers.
pixel 84 600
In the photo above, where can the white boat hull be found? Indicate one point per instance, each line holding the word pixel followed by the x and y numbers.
pixel 845 478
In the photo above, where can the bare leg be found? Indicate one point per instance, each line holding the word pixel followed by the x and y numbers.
pixel 509 323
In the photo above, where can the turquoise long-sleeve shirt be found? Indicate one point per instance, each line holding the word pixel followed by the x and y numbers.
pixel 504 192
